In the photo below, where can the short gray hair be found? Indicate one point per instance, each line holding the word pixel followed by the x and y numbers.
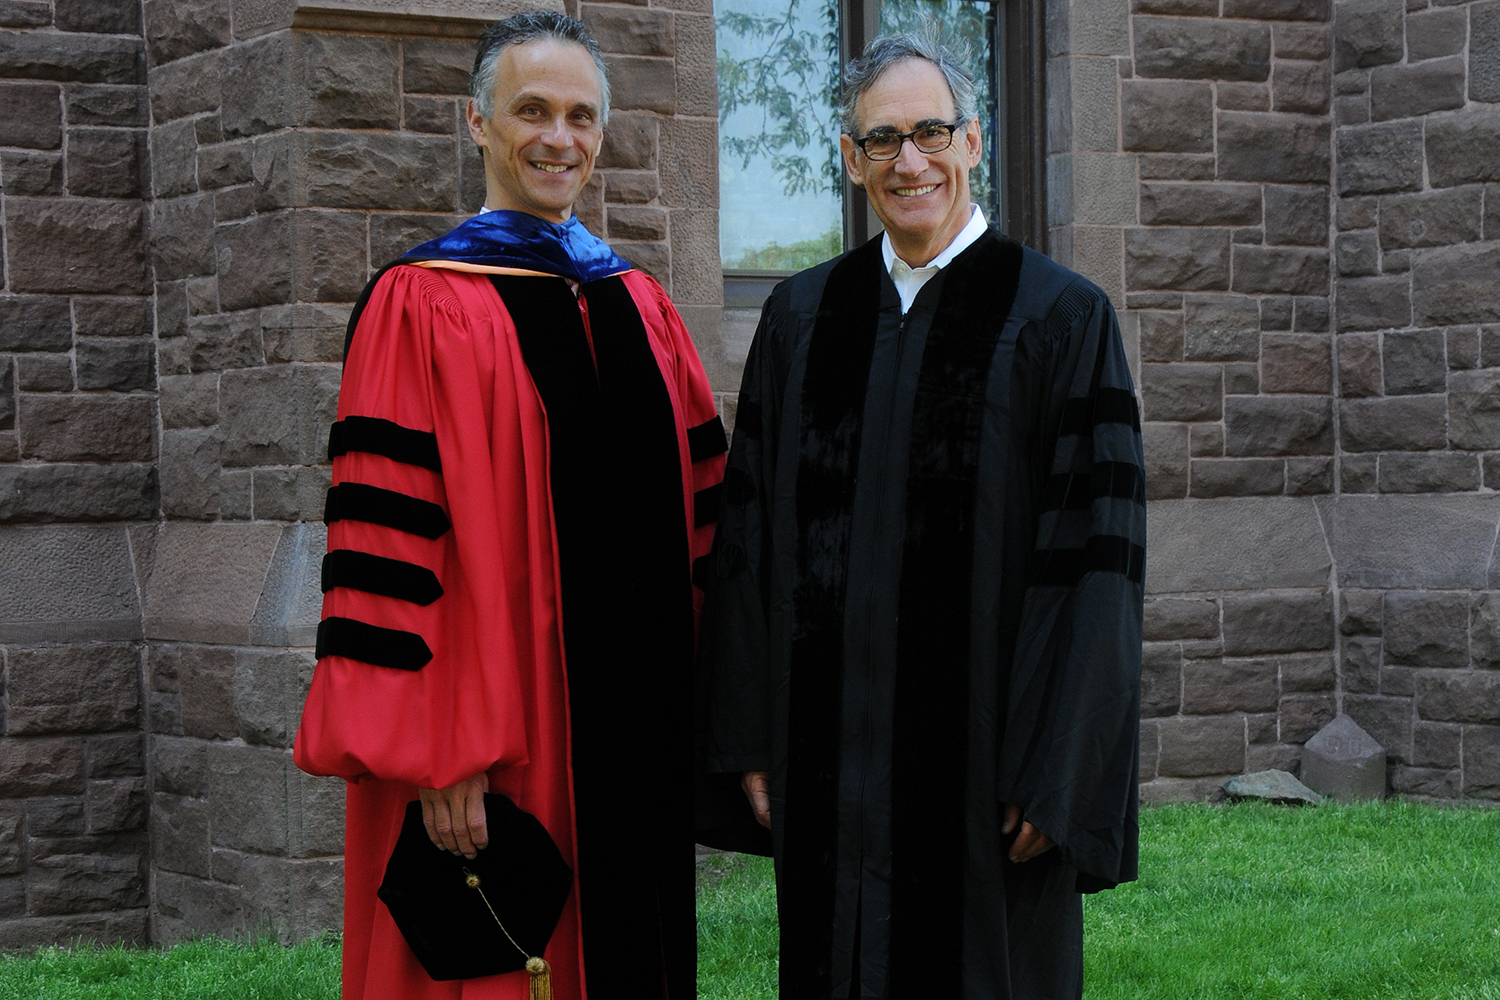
pixel 888 50
pixel 519 29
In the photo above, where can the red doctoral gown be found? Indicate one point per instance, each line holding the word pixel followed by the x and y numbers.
pixel 451 470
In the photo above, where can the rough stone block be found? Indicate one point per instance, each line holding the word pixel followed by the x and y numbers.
pixel 189 400
pixel 1169 204
pixel 91 104
pixel 1358 474
pixel 1297 215
pixel 1428 472
pixel 630 142
pixel 32 494
pixel 1194 747
pixel 1161 335
pixel 1374 303
pixel 1403 542
pixel 1432 218
pixel 1484 49
pixel 190 473
pixel 175 28
pixel 23 174
pixel 1295 362
pixel 1309 476
pixel 349 81
pixel 76 245
pixel 1311 314
pixel 1415 362
pixel 277 416
pixel 106 163
pixel 1436 745
pixel 1463 348
pixel 83 882
pixel 112 317
pixel 179 834
pixel 266 108
pixel 1213 687
pixel 41 766
pixel 179 766
pixel 1307 673
pixel 76 688
pixel 364 170
pixel 191 86
pixel 1302 715
pixel 1406 90
pixel 25 14
pixel 436 65
pixel 1277 426
pixel 316 807
pixel 248 798
pixel 1272 147
pixel 96 428
pixel 121 365
pixel 1464 149
pixel 629 187
pixel 1387 719
pixel 1393 423
pixel 117 806
pixel 1238 477
pixel 1280 269
pixel 1166 451
pixel 56 816
pixel 1277 623
pixel 50 55
pixel 1484 635
pixel 1481 773
pixel 1167 116
pixel 1182 392
pixel 1455 285
pixel 1184 259
pixel 1206 440
pixel 1301 87
pixel 1301 41
pixel 630 31
pixel 1221 328
pixel 1427 629
pixel 1380 158
pixel 1194 48
pixel 35 323
pixel 115 756
pixel 268 696
pixel 1368 33
pixel 33 118
pixel 1471 696
pixel 689 161
pixel 224 341
pixel 1344 762
pixel 641 83
pixel 1169 618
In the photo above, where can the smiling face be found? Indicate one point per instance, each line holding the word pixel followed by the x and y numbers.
pixel 922 199
pixel 540 147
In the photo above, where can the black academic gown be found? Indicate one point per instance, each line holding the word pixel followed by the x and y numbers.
pixel 926 602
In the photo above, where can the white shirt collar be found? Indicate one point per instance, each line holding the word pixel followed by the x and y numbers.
pixel 909 280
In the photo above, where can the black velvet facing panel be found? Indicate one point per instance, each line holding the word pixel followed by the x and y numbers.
pixel 706 504
pixel 930 731
pixel 376 436
pixel 363 502
pixel 1103 554
pixel 707 440
pixel 618 507
pixel 378 575
pixel 1107 480
pixel 383 647
pixel 833 398
pixel 702 567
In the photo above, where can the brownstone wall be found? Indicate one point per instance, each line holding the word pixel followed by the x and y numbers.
pixel 78 443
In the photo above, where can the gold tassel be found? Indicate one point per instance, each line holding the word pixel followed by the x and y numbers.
pixel 541 978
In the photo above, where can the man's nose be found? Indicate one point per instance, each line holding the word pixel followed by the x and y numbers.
pixel 557 134
pixel 911 160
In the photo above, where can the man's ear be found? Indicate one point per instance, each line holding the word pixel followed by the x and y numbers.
pixel 973 143
pixel 478 127
pixel 853 162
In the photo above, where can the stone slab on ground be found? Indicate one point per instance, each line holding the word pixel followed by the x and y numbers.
pixel 1272 786
pixel 1344 763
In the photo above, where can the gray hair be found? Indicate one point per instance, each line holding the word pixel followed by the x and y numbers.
pixel 519 29
pixel 888 50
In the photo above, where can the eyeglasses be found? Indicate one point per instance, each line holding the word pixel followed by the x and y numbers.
pixel 927 139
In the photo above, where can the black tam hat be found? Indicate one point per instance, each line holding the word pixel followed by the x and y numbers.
pixel 467 918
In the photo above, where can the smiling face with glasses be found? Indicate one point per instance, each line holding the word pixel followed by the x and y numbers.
pixel 913 159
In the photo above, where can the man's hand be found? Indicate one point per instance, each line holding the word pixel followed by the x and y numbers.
pixel 757 786
pixel 454 816
pixel 1029 842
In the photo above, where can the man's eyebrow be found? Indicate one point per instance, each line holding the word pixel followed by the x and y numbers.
pixel 890 129
pixel 524 98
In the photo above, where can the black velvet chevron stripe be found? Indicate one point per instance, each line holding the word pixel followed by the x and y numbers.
pixel 363 502
pixel 378 575
pixel 707 440
pixel 1112 406
pixel 384 647
pixel 1078 491
pixel 706 504
pixel 384 437
pixel 1103 554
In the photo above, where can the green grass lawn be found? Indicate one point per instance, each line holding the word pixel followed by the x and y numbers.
pixel 1378 902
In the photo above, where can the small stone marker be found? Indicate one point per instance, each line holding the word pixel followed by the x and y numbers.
pixel 1344 762
pixel 1273 786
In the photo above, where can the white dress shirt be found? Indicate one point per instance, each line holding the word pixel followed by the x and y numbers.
pixel 909 280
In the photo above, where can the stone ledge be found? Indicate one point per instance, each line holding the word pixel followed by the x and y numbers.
pixel 67 583
pixel 1207 546
pixel 207 580
pixel 407 18
pixel 1401 541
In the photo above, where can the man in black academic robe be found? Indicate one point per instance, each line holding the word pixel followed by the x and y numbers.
pixel 923 630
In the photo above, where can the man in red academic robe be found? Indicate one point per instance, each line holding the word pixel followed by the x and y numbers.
pixel 526 465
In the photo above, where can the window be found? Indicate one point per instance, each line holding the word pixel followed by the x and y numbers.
pixel 784 203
